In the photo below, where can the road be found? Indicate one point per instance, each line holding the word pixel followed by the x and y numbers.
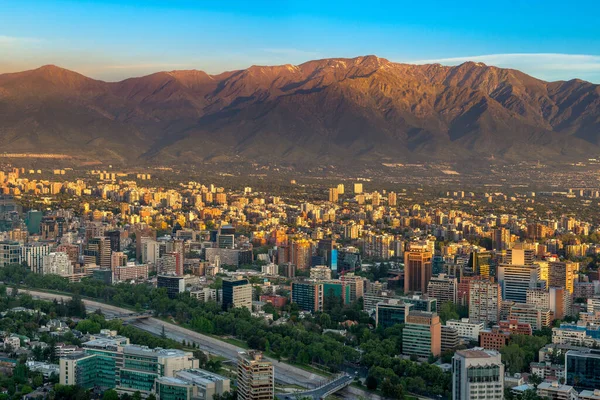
pixel 284 373
pixel 320 392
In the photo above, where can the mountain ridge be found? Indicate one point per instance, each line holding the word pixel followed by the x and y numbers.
pixel 338 110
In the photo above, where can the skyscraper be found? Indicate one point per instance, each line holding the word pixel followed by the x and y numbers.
pixel 485 301
pixel 516 279
pixel 563 274
pixel 417 268
pixel 500 239
pixel 333 195
pixel 443 288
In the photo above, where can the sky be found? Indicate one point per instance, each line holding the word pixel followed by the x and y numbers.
pixel 114 40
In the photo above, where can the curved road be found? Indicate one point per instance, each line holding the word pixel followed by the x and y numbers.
pixel 284 373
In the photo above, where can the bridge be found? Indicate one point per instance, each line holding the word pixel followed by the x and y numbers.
pixel 321 392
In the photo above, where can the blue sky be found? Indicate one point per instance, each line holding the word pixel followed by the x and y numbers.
pixel 112 40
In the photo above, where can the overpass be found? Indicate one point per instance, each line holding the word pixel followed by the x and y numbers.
pixel 334 385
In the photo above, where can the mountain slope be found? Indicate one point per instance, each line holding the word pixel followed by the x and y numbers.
pixel 324 111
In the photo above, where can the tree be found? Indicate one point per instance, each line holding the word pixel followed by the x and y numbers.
pixel 371 382
pixel 513 357
pixel 110 394
pixel 448 311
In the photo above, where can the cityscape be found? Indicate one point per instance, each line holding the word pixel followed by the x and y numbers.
pixel 234 200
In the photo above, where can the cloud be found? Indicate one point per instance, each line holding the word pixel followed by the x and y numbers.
pixel 13 40
pixel 549 66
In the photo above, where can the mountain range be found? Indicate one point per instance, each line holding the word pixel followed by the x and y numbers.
pixel 336 111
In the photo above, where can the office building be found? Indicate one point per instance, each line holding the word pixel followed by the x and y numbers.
pixel 422 334
pixel 582 368
pixel 417 268
pixel 10 253
pixel 358 188
pixel 189 384
pixel 563 274
pixel 514 326
pixel 320 272
pixel 255 377
pixel 500 239
pixel 466 329
pixel 537 317
pixel 555 391
pixel 109 363
pixel 308 295
pixel 494 338
pixel 477 374
pixel 57 263
pixel 356 284
pixel 516 279
pixel 237 293
pixel 421 303
pixel 484 301
pixel 443 288
pixel 481 264
pixel 391 312
pixel 33 255
pixel 520 256
pixel 449 338
pixel 173 284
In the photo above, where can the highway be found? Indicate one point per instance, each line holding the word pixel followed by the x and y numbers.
pixel 284 373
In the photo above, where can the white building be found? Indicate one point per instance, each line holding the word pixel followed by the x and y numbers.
pixel 466 329
pixel 556 391
pixel 57 263
pixel 477 374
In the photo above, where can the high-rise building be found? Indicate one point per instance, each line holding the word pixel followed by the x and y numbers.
pixel 301 251
pixel 358 188
pixel 477 374
pixel 582 368
pixel 33 255
pixel 536 316
pixel 422 334
pixel 392 199
pixel 520 256
pixel 516 279
pixel 115 240
pixel 500 239
pixel 417 268
pixel 340 189
pixel 481 264
pixel 333 195
pixel 443 288
pixel 34 221
pixel 563 274
pixel 308 295
pixel 255 377
pixel 98 251
pixel 356 284
pixel 485 301
pixel 58 264
pixel 237 293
